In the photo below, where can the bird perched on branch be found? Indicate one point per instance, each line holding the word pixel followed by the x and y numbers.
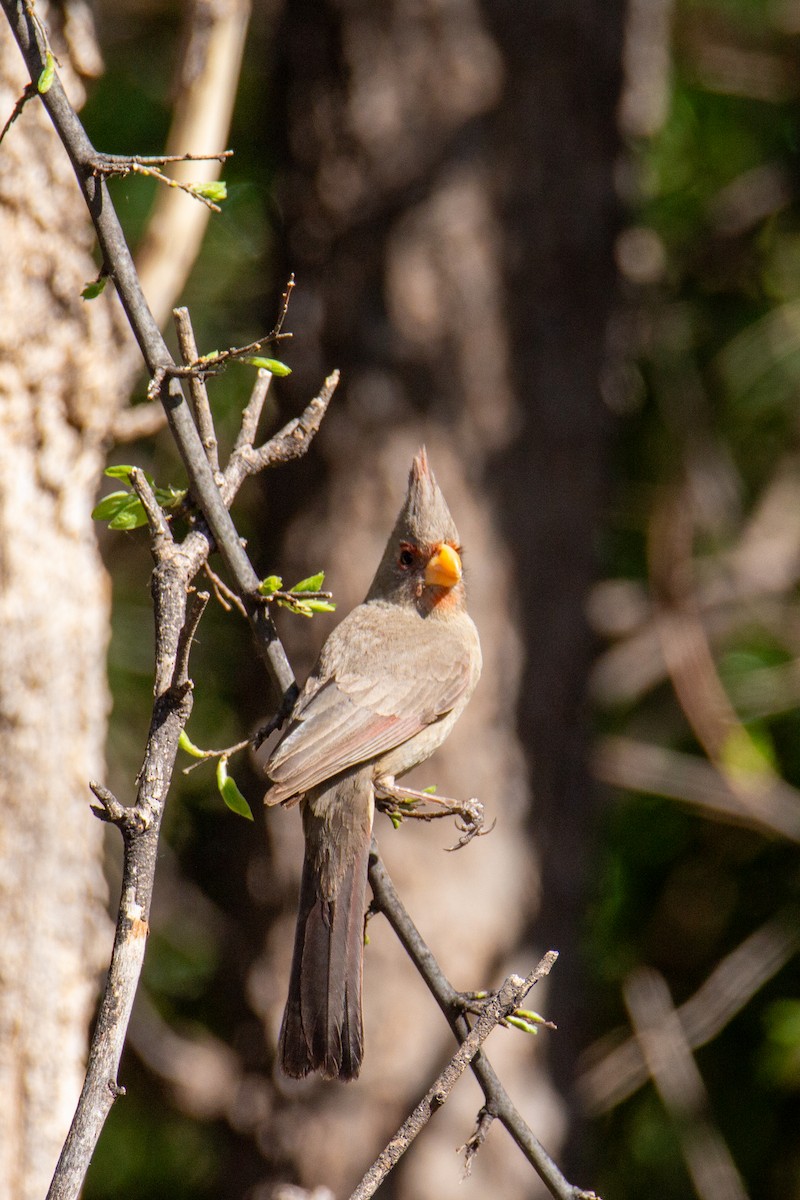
pixel 390 683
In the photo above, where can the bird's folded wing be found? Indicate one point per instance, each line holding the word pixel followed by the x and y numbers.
pixel 342 721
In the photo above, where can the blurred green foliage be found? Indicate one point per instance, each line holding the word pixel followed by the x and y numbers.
pixel 711 408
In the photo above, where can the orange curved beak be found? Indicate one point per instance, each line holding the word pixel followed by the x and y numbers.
pixel 444 567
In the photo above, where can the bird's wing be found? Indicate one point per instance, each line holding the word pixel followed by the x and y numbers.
pixel 365 698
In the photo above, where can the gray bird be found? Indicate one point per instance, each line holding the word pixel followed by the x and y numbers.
pixel 391 681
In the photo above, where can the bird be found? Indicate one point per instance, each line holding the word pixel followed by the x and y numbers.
pixel 390 682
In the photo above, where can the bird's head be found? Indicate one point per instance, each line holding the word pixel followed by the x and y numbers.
pixel 421 564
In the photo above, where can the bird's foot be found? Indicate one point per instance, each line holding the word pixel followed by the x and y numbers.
pixel 399 803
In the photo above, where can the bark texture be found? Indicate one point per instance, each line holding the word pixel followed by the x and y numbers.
pixel 59 385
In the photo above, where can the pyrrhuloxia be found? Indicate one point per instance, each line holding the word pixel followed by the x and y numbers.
pixel 390 683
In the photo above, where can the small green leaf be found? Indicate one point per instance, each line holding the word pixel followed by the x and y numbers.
pixel 312 584
pixel 186 744
pixel 396 819
pixel 744 753
pixel 215 191
pixel 230 792
pixel 119 471
pixel 319 605
pixel 270 585
pixel 130 516
pixel 122 510
pixel 92 290
pixel 110 505
pixel 268 364
pixel 47 76
pixel 430 790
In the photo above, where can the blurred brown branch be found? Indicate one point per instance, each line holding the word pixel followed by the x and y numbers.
pixel 674 1072
pixel 617 1073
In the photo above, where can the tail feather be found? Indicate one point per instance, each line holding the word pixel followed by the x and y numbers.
pixel 322 1026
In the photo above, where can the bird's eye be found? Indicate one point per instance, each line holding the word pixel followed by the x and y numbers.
pixel 406 558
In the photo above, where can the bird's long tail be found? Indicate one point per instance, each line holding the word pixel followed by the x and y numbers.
pixel 322 1026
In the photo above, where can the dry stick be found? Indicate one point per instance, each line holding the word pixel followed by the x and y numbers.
pixel 500 1006
pixel 498 1102
pixel 198 393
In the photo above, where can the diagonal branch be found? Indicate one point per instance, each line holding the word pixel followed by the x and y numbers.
pixel 500 1006
pixel 498 1103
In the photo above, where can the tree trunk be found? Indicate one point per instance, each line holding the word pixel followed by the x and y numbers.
pixel 58 390
pixel 436 234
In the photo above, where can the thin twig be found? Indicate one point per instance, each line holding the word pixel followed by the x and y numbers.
pixel 156 519
pixel 287 444
pixel 252 412
pixel 226 597
pixel 117 163
pixel 198 394
pixel 498 1102
pixel 29 93
pixel 497 1009
pixel 135 166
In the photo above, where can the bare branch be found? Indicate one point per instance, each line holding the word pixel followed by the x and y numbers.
pixel 197 388
pixel 497 1009
pixel 159 527
pixel 140 828
pixel 498 1102
pixel 252 412
pixel 287 444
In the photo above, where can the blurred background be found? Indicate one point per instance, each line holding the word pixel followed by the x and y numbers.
pixel 560 244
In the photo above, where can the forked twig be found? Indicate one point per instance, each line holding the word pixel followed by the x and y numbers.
pixel 497 1009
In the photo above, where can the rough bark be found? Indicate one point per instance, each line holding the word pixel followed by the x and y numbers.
pixel 58 389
